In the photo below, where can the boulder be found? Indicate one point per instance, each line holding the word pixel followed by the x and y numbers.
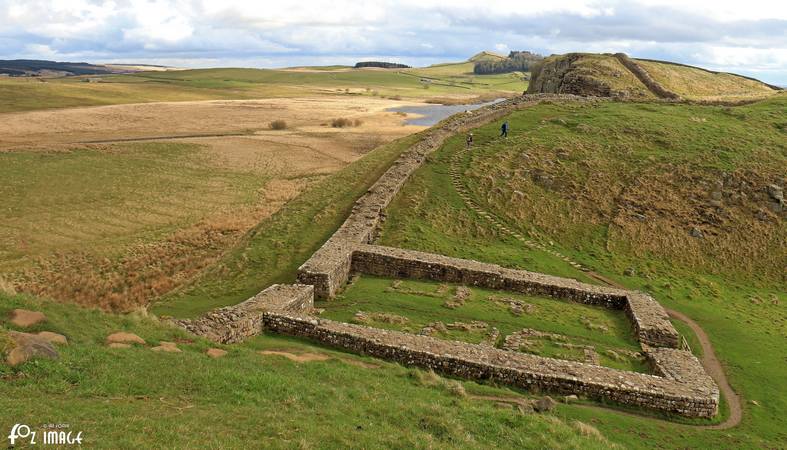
pixel 122 337
pixel 169 347
pixel 25 318
pixel 215 352
pixel 53 338
pixel 544 404
pixel 119 345
pixel 29 346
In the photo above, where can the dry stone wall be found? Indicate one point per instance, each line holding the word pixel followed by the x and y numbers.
pixel 329 268
pixel 401 263
pixel 691 393
pixel 643 76
pixel 679 385
pixel 233 324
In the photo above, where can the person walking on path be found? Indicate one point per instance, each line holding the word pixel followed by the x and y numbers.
pixel 469 140
pixel 504 129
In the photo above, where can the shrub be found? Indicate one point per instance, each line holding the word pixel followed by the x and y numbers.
pixel 341 122
pixel 357 122
pixel 278 125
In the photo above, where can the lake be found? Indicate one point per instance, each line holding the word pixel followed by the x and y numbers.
pixel 431 114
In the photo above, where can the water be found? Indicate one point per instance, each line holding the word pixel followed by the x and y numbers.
pixel 431 114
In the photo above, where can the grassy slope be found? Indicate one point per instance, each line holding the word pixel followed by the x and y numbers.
pixel 136 398
pixel 115 227
pixel 272 251
pixel 733 306
pixel 695 83
pixel 177 181
pixel 217 84
pixel 689 82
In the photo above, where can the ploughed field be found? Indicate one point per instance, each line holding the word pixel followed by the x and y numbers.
pixel 538 325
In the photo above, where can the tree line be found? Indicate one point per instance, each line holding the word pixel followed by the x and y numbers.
pixel 384 65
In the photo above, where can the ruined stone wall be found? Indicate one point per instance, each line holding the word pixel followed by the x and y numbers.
pixel 328 268
pixel 233 324
pixel 684 389
pixel 650 320
pixel 401 263
pixel 643 76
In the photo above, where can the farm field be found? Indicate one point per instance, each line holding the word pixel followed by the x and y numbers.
pixel 245 84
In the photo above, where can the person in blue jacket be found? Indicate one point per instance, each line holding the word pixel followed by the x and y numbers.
pixel 504 129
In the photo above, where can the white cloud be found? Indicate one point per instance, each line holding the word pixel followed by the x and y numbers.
pixel 720 34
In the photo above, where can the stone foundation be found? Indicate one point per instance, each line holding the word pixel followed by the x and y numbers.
pixel 684 388
pixel 679 385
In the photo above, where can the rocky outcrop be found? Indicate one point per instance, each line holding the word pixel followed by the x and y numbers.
pixel 24 318
pixel 561 75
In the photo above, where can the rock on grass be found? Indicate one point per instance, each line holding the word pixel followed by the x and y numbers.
pixel 28 346
pixel 25 318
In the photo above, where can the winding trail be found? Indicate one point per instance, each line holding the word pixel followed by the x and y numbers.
pixel 709 360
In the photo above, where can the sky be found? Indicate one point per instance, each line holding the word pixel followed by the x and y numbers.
pixel 747 37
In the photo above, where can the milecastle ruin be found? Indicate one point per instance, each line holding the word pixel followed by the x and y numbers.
pixel 678 384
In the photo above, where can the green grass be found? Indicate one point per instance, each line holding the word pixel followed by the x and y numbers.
pixel 99 198
pixel 422 303
pixel 658 158
pixel 228 83
pixel 133 398
pixel 274 249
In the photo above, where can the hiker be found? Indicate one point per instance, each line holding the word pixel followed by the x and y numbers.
pixel 504 129
pixel 469 140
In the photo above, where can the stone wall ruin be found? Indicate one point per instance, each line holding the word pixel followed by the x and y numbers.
pixel 678 384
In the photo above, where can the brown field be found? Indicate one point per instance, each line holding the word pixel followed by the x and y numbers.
pixel 116 205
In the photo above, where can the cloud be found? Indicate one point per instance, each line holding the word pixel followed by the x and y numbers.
pixel 718 34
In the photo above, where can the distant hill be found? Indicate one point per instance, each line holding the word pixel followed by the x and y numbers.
pixel 34 67
pixel 37 67
pixel 486 56
pixel 380 64
pixel 617 75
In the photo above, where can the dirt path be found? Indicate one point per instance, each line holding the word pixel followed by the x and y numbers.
pixel 709 360
pixel 715 370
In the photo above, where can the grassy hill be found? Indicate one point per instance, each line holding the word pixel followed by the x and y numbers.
pixel 218 84
pixel 138 398
pixel 607 184
pixel 606 75
pixel 697 83
pixel 667 198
